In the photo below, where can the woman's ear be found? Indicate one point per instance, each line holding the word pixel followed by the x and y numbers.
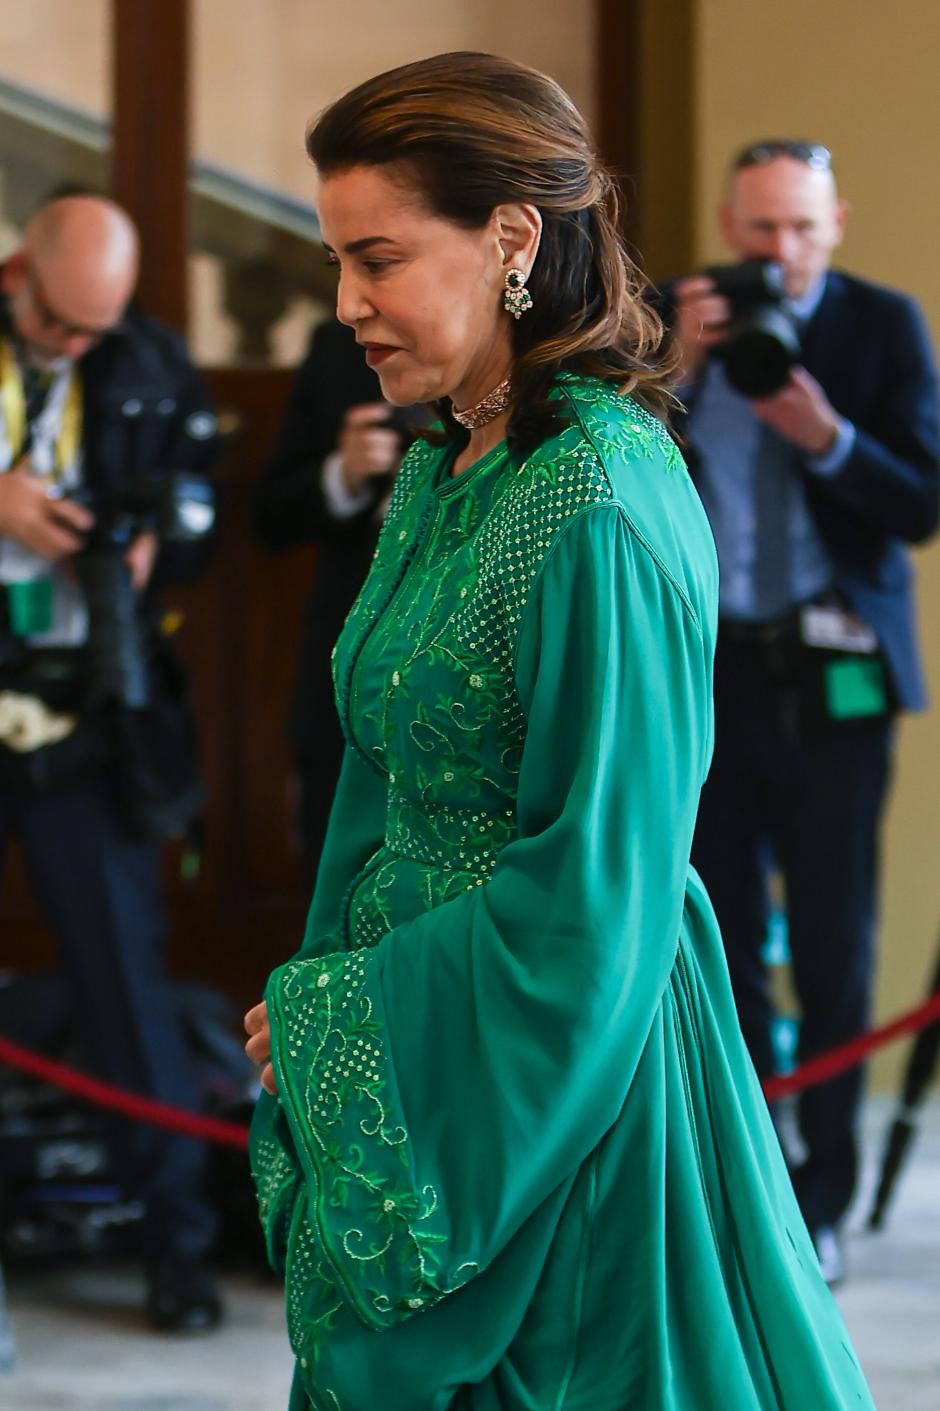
pixel 518 230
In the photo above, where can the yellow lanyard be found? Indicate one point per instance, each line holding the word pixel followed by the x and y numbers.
pixel 13 402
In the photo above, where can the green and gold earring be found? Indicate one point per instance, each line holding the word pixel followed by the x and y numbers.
pixel 517 300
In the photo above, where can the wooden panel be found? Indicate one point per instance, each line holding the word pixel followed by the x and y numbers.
pixel 240 641
pixel 618 100
pixel 646 124
pixel 151 144
pixel 667 169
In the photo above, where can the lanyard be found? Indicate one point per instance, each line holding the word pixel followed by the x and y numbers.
pixel 13 402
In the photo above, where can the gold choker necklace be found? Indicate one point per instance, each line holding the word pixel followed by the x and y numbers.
pixel 486 411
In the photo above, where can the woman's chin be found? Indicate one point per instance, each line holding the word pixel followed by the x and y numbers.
pixel 404 391
pixel 405 384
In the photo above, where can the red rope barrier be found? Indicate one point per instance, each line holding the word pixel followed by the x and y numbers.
pixel 160 1114
pixel 141 1109
pixel 839 1060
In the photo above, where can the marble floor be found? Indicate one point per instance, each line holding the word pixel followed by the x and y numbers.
pixel 891 1298
pixel 80 1345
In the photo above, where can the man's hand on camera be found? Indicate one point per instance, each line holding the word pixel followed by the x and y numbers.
pixel 52 528
pixel 141 557
pixel 702 318
pixel 802 413
pixel 367 446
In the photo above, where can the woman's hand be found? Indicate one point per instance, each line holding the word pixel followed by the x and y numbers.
pixel 258 1047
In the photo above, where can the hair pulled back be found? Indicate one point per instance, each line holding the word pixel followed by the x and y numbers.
pixel 473 131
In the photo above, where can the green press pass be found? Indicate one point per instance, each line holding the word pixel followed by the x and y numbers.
pixel 855 687
pixel 854 680
pixel 30 606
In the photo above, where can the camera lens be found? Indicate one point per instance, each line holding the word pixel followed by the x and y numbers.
pixel 760 353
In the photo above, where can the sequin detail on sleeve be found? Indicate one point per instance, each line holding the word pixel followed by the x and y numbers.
pixel 275 1177
pixel 384 1240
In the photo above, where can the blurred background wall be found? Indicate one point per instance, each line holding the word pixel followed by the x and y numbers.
pixel 258 71
pixel 674 86
pixel 263 69
pixel 861 78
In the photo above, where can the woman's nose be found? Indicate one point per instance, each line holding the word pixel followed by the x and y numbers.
pixel 351 304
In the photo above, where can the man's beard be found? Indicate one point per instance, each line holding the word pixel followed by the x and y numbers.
pixel 43 360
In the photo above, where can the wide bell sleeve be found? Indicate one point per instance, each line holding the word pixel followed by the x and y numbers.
pixel 355 831
pixel 441 1086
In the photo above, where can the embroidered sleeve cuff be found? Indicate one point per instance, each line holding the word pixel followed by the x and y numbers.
pixel 382 1231
pixel 338 498
pixel 832 461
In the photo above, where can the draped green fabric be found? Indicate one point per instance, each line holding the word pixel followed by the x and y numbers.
pixel 519 1160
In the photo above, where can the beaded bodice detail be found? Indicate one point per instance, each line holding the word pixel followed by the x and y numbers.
pixel 425 673
pixel 424 666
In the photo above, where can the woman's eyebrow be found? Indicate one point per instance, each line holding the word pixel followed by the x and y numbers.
pixel 355 246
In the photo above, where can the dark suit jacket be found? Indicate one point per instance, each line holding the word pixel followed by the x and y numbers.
pixel 145 414
pixel 870 350
pixel 289 509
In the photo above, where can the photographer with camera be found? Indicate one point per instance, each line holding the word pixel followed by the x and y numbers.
pixel 328 483
pixel 813 437
pixel 105 438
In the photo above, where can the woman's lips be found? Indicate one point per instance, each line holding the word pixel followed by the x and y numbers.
pixel 377 353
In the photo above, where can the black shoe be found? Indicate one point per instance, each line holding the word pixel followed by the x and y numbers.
pixel 829 1252
pixel 181 1296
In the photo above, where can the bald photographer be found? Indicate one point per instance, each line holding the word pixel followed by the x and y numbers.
pixel 105 440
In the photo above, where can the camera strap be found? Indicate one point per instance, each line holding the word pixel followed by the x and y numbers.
pixel 23 416
pixel 45 421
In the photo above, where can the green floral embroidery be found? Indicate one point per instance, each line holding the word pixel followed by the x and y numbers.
pixel 399 533
pixel 365 1213
pixel 275 1177
pixel 424 671
pixel 312 1298
pixel 449 729
pixel 619 426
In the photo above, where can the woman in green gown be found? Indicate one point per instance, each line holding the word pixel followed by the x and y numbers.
pixel 512 1154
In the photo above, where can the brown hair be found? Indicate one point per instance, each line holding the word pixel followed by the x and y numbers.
pixel 474 131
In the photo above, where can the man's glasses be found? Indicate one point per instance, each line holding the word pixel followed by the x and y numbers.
pixel 758 154
pixel 55 321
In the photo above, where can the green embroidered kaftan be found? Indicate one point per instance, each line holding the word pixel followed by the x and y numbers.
pixel 519 1160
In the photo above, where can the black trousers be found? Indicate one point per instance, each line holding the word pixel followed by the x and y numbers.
pixel 809 797
pixel 98 889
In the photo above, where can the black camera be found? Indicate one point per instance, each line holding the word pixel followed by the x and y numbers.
pixel 180 509
pixel 763 342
